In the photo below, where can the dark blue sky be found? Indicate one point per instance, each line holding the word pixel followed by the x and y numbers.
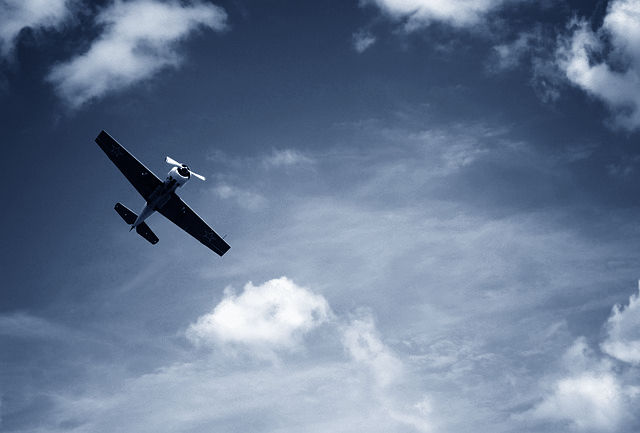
pixel 432 208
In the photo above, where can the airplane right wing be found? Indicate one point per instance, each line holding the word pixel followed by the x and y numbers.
pixel 140 176
pixel 180 214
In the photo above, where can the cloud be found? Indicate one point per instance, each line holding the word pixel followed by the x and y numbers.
pixel 362 41
pixel 536 49
pixel 606 63
pixel 246 199
pixel 139 39
pixel 23 325
pixel 331 392
pixel 590 395
pixel 623 332
pixel 273 315
pixel 16 15
pixel 589 401
pixel 286 157
pixel 421 13
pixel 361 340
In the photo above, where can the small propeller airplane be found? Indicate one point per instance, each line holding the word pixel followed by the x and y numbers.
pixel 160 196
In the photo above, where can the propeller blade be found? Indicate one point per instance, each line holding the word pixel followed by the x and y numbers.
pixel 172 162
pixel 199 176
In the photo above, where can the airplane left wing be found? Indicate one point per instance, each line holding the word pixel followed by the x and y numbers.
pixel 180 214
pixel 140 176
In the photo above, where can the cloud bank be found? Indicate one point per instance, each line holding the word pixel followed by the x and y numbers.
pixel 16 15
pixel 606 63
pixel 139 39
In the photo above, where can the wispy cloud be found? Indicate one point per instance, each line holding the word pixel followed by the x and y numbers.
pixel 23 325
pixel 16 15
pixel 534 49
pixel 606 63
pixel 361 340
pixel 139 38
pixel 247 199
pixel 286 157
pixel 363 40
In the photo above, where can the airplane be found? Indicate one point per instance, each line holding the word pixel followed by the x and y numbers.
pixel 160 196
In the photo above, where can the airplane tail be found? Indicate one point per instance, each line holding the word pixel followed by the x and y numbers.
pixel 130 217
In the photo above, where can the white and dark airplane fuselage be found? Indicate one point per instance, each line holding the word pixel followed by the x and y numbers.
pixel 177 177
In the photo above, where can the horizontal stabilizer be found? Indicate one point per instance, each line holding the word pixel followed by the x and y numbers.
pixel 128 216
pixel 144 231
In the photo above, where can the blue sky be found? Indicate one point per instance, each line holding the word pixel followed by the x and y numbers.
pixel 432 208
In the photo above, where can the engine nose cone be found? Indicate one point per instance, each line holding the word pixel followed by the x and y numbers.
pixel 183 171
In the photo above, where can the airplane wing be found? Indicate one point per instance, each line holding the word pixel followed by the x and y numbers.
pixel 180 214
pixel 140 176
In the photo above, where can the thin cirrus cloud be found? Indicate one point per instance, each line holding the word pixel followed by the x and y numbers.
pixel 606 63
pixel 139 39
pixel 16 15
pixel 421 13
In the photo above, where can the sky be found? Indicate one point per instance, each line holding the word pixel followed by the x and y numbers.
pixel 432 208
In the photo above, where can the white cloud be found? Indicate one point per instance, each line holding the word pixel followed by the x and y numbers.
pixel 139 39
pixel 591 395
pixel 623 329
pixel 16 15
pixel 606 63
pixel 270 316
pixel 246 199
pixel 362 41
pixel 420 13
pixel 589 401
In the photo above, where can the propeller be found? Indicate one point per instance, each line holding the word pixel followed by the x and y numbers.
pixel 173 162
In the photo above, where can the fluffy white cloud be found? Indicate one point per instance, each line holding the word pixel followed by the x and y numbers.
pixel 270 316
pixel 420 13
pixel 606 63
pixel 16 15
pixel 138 40
pixel 623 326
